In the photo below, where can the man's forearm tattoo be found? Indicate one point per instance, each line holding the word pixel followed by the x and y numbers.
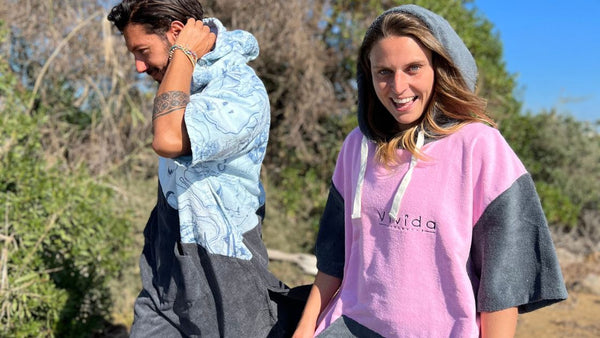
pixel 169 102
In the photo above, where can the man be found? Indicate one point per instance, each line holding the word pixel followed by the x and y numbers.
pixel 204 265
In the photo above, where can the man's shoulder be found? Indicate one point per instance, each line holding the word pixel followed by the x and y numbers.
pixel 234 44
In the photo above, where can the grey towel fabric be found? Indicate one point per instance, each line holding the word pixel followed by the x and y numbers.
pixel 346 327
pixel 189 292
pixel 330 245
pixel 513 255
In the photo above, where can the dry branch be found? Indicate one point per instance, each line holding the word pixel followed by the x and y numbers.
pixel 306 262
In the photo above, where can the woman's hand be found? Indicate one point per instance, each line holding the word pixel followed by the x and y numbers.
pixel 321 293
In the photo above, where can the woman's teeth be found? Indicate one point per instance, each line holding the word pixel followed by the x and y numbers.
pixel 403 101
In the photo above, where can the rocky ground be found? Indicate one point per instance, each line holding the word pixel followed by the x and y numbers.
pixel 579 315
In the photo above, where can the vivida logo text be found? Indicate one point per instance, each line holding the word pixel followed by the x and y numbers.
pixel 407 222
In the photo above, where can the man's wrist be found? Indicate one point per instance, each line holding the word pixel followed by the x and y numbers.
pixel 193 57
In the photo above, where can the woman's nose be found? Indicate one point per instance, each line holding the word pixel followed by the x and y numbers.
pixel 399 83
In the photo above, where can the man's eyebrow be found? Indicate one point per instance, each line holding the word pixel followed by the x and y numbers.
pixel 136 48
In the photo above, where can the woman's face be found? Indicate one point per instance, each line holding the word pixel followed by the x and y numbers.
pixel 402 77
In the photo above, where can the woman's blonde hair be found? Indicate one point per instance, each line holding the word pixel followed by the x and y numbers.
pixel 451 106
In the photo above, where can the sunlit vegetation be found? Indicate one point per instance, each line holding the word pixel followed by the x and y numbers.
pixel 75 160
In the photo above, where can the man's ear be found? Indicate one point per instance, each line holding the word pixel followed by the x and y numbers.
pixel 174 30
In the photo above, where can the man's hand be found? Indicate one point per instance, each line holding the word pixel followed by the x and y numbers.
pixel 197 37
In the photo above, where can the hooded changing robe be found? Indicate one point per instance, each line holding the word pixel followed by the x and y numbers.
pixel 204 264
pixel 423 247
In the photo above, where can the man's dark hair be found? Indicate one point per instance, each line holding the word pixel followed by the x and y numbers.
pixel 155 15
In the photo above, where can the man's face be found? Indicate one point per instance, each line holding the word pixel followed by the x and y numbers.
pixel 151 51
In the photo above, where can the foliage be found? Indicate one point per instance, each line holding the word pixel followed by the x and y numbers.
pixel 311 85
pixel 307 63
pixel 71 103
pixel 57 236
pixel 82 78
pixel 563 157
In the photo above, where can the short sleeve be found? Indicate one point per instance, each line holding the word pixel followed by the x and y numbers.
pixel 229 117
pixel 513 254
pixel 330 248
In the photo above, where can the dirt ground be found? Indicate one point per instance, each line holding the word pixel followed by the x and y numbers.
pixel 578 316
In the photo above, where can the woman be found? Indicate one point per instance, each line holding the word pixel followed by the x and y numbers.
pixel 433 226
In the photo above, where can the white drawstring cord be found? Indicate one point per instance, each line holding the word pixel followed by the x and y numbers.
pixel 395 209
pixel 364 152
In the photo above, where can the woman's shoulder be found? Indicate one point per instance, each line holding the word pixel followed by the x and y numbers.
pixel 354 138
pixel 478 129
pixel 477 133
pixel 474 138
pixel 351 146
pixel 485 142
pixel 355 134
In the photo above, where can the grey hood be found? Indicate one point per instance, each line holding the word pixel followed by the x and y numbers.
pixel 445 34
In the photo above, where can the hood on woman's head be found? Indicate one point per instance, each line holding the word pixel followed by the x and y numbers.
pixel 443 32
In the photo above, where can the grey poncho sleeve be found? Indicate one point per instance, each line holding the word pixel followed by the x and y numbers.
pixel 513 254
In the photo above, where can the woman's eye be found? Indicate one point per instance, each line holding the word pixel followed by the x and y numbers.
pixel 414 68
pixel 383 72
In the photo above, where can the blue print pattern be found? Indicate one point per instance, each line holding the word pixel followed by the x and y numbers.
pixel 217 190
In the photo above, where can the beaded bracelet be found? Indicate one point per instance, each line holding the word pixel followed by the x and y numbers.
pixel 190 54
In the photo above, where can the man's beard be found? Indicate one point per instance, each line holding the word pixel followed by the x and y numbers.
pixel 157 73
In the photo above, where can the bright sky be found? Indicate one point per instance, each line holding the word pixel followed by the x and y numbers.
pixel 554 48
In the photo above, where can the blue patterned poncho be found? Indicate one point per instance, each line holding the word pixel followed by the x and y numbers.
pixel 217 189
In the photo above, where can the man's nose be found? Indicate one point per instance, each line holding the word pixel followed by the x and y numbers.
pixel 140 66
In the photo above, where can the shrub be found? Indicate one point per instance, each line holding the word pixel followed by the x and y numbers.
pixel 60 241
pixel 562 155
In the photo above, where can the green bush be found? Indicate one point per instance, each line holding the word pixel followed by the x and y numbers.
pixel 563 157
pixel 60 240
pixel 297 191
